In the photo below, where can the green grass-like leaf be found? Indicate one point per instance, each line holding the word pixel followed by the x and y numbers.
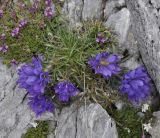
pixel 41 131
pixel 127 118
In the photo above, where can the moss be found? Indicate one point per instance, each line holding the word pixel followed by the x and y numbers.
pixel 130 120
pixel 129 124
pixel 41 131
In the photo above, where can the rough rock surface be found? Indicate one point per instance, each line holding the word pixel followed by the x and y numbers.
pixel 92 9
pixel 90 121
pixel 146 23
pixel 154 131
pixel 113 6
pixel 120 22
pixel 132 63
pixel 78 10
pixel 15 116
pixel 73 10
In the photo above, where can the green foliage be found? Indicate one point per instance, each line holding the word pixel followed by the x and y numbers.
pixel 41 131
pixel 70 50
pixel 65 50
pixel 30 39
pixel 29 42
pixel 128 120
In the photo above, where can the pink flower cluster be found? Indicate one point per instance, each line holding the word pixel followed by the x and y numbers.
pixel 1 13
pixel 21 25
pixel 35 6
pixel 3 47
pixel 49 10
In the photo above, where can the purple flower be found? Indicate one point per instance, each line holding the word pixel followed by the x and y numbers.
pixel 65 90
pixel 136 84
pixel 34 7
pixel 2 37
pixel 4 48
pixel 1 13
pixel 14 62
pixel 22 5
pixel 48 2
pixel 100 39
pixel 41 104
pixel 33 78
pixel 13 14
pixel 105 64
pixel 49 12
pixel 22 23
pixel 15 32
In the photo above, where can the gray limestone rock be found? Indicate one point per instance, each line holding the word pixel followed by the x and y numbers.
pixel 73 10
pixel 93 9
pixel 145 18
pixel 120 22
pixel 112 7
pixel 90 121
pixel 154 131
pixel 78 10
pixel 132 63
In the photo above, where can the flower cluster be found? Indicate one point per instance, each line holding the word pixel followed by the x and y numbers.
pixel 2 37
pixel 105 64
pixel 22 23
pixel 65 90
pixel 147 127
pixel 4 48
pixel 14 62
pixel 136 84
pixel 13 15
pixel 15 32
pixel 35 6
pixel 49 10
pixel 1 13
pixel 40 104
pixel 33 78
pixel 22 5
pixel 101 39
pixel 145 107
pixel 48 2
